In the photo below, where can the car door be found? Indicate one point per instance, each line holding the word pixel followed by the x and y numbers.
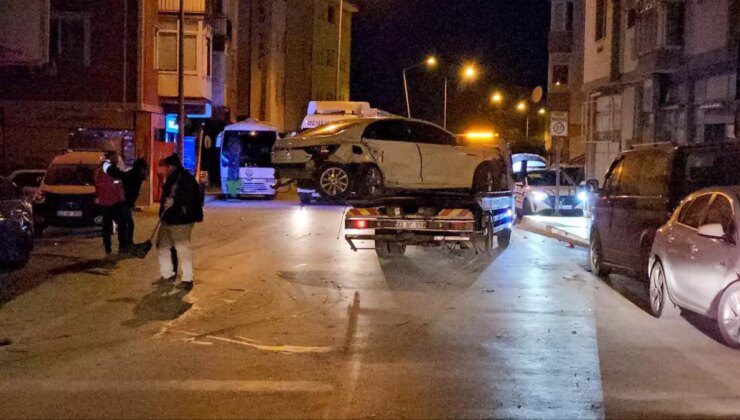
pixel 604 208
pixel 444 163
pixel 681 239
pixel 395 152
pixel 709 259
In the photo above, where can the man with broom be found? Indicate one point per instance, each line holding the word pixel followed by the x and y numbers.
pixel 181 207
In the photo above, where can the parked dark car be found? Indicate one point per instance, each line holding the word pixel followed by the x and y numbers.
pixel 641 190
pixel 16 225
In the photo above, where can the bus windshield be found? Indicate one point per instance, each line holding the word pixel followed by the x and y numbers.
pixel 253 148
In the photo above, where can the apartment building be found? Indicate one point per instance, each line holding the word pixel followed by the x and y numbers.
pixel 657 71
pixel 288 57
pixel 565 48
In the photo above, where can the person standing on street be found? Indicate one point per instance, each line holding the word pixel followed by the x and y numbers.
pixel 110 198
pixel 132 180
pixel 181 207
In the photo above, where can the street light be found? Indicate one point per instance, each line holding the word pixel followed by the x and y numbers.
pixel 522 107
pixel 542 111
pixel 430 62
pixel 470 72
pixel 497 98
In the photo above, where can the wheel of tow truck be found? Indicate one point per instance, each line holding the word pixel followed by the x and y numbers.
pixel 485 179
pixel 334 182
pixel 372 183
pixel 389 250
pixel 504 238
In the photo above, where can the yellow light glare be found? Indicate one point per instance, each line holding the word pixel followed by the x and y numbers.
pixel 480 135
pixel 470 72
pixel 542 111
pixel 497 98
pixel 521 106
pixel 431 61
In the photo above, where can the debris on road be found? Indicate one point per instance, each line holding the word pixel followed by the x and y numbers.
pixel 5 342
pixel 489 291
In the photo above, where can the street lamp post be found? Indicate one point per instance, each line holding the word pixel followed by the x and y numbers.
pixel 181 80
pixel 339 49
pixel 523 108
pixel 430 62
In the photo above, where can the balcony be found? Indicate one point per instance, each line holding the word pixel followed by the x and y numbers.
pixel 192 7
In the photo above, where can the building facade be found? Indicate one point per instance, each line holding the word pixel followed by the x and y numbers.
pixel 288 52
pixel 565 71
pixel 657 71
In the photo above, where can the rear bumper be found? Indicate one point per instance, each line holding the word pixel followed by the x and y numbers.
pixel 49 215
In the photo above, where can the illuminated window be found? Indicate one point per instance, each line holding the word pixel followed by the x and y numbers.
pixel 191 53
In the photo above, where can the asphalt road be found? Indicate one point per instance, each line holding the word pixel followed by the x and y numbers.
pixel 285 321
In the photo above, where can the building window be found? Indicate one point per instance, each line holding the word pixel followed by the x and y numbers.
pixel 631 18
pixel 69 39
pixel 647 31
pixel 167 47
pixel 600 19
pixel 167 51
pixel 569 16
pixel 209 57
pixel 331 15
pixel 674 23
pixel 560 75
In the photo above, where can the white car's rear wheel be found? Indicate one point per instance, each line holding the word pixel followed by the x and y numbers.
pixel 728 316
pixel 334 182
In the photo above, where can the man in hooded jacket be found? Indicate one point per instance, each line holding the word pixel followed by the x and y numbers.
pixel 181 207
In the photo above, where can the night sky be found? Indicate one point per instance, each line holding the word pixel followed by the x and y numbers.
pixel 507 38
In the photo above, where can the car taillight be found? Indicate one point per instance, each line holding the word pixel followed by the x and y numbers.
pixel 39 198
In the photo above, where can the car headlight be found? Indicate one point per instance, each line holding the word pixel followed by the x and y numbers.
pixel 582 196
pixel 539 195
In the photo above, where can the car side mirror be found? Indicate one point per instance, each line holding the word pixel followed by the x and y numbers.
pixel 592 186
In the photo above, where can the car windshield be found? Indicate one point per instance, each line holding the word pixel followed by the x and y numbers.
pixel 546 178
pixel 329 129
pixel 71 174
pixel 252 147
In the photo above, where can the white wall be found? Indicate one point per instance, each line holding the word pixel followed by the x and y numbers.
pixel 597 54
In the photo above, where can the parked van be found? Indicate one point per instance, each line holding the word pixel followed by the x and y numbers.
pixel 246 166
pixel 66 196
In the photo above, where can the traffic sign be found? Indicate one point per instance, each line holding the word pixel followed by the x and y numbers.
pixel 559 124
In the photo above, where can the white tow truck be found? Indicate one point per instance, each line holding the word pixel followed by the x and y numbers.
pixel 467 220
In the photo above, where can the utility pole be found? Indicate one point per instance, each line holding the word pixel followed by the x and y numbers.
pixel 181 80
pixel 339 48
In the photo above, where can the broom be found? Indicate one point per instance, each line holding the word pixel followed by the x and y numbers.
pixel 141 250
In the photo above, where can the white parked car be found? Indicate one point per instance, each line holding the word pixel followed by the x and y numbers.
pixel 368 156
pixel 695 262
pixel 537 191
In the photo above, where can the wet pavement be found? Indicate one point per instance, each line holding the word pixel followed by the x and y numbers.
pixel 285 321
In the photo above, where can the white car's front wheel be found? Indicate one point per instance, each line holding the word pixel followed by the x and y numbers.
pixel 334 182
pixel 728 315
pixel 660 303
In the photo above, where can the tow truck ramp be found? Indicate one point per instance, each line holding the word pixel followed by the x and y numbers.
pixel 395 223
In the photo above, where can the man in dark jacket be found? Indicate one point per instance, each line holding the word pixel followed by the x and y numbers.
pixel 132 180
pixel 181 207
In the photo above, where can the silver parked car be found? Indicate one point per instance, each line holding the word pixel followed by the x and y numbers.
pixel 695 262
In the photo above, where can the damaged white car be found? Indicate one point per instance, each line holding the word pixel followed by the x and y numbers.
pixel 368 157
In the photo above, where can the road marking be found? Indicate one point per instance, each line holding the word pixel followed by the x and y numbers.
pixel 243 341
pixel 187 385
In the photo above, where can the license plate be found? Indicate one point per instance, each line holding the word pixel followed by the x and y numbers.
pixel 412 224
pixel 67 213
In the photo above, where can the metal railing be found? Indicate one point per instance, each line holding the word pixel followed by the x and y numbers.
pixel 191 6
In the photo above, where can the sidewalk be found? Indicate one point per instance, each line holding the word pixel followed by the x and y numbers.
pixel 568 229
